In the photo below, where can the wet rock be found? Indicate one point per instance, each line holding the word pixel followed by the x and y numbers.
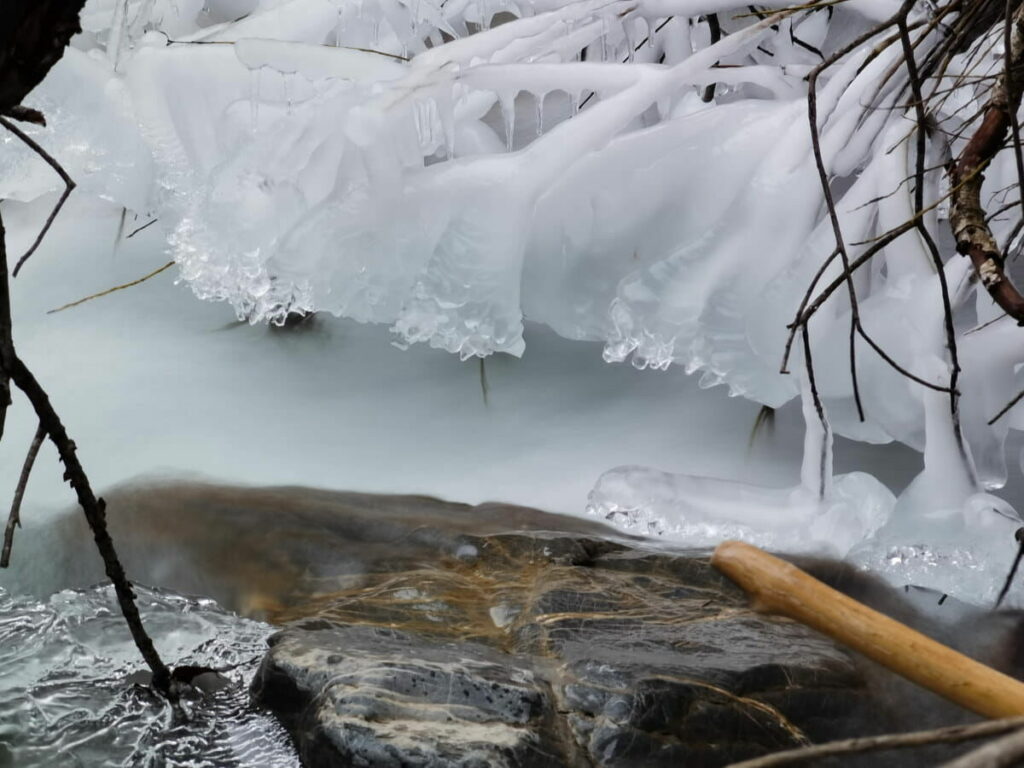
pixel 421 633
pixel 619 658
pixel 438 639
pixel 376 696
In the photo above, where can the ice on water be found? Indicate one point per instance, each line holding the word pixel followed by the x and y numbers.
pixel 66 698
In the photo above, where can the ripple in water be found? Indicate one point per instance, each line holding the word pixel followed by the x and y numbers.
pixel 67 700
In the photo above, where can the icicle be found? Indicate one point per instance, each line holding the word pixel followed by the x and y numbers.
pixel 254 98
pixel 630 33
pixel 118 27
pixel 508 116
pixel 422 122
pixel 664 106
pixel 337 28
pixel 574 103
pixel 286 85
pixel 539 102
pixel 816 470
pixel 446 114
pixel 142 16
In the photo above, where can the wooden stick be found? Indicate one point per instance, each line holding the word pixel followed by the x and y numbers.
pixel 781 587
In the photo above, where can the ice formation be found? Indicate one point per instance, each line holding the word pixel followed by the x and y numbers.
pixel 67 698
pixel 601 166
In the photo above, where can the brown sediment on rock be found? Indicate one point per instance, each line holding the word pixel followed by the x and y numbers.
pixel 420 632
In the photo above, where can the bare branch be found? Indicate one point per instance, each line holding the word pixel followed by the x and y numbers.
pixel 967 216
pixel 93 507
pixel 1002 753
pixel 819 409
pixel 69 186
pixel 1019 536
pixel 14 519
pixel 147 225
pixel 949 735
pixel 1006 408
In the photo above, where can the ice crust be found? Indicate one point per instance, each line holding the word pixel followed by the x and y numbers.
pixel 451 168
pixel 67 698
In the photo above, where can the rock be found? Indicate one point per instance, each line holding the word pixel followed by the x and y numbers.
pixel 422 633
pixel 429 637
pixel 562 651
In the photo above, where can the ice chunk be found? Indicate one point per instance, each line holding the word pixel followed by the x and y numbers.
pixel 702 511
pixel 945 533
pixel 822 514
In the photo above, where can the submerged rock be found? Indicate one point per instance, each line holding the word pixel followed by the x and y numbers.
pixel 421 633
pixel 539 651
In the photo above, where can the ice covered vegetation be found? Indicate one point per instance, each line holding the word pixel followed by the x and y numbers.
pixel 772 198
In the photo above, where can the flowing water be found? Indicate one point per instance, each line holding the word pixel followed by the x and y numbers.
pixel 68 697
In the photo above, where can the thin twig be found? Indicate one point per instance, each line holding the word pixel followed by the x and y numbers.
pixel 933 249
pixel 949 735
pixel 1019 536
pixel 69 186
pixel 1006 408
pixel 147 225
pixel 1001 753
pixel 820 410
pixel 14 519
pixel 837 231
pixel 715 29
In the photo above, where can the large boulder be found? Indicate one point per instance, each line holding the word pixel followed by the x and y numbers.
pixel 417 632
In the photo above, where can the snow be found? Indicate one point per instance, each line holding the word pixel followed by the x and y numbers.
pixel 470 176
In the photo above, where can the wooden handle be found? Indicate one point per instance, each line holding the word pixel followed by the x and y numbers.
pixel 783 588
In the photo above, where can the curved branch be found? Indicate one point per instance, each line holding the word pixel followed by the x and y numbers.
pixel 967 217
pixel 93 507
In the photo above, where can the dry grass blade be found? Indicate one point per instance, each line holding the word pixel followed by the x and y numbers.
pixel 116 288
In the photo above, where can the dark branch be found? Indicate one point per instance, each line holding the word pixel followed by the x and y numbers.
pixel 69 186
pixel 94 508
pixel 14 519
pixel 950 735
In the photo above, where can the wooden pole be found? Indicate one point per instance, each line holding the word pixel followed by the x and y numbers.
pixel 781 587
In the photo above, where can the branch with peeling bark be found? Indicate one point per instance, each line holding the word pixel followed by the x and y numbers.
pixel 967 218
